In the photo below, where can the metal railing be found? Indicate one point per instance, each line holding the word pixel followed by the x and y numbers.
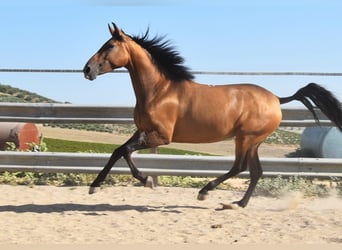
pixel 70 113
pixel 149 164
pixel 169 165
pixel 195 72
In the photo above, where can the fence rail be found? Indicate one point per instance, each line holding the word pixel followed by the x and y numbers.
pixel 149 164
pixel 169 165
pixel 234 73
pixel 70 113
pixel 154 165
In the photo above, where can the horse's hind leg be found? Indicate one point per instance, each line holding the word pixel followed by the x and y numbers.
pixel 255 173
pixel 239 166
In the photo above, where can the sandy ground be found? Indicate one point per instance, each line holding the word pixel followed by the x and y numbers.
pixel 132 215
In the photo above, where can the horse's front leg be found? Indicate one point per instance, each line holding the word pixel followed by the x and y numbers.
pixel 145 140
pixel 116 155
pixel 140 140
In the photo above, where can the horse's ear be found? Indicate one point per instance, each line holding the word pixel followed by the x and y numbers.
pixel 111 29
pixel 115 31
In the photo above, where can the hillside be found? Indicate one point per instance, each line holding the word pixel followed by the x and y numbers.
pixel 11 94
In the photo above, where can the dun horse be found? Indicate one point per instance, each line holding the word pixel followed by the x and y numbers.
pixel 171 107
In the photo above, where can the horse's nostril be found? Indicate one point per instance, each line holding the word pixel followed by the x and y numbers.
pixel 86 70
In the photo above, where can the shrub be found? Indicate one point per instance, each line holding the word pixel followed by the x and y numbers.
pixel 278 186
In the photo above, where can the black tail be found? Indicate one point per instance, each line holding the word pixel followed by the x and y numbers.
pixel 322 98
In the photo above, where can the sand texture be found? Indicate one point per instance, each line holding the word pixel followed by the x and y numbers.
pixel 133 215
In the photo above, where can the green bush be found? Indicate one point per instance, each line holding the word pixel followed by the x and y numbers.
pixel 57 179
pixel 279 186
pixel 283 137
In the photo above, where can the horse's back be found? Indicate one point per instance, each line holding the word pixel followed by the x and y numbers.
pixel 212 113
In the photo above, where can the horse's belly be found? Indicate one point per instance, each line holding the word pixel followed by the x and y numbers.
pixel 194 133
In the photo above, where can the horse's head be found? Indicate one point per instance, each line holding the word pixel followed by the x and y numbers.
pixel 111 55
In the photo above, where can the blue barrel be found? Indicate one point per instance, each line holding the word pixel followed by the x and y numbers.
pixel 322 142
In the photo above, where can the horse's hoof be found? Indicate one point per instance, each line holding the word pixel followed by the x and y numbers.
pixel 92 190
pixel 232 206
pixel 239 204
pixel 149 182
pixel 202 197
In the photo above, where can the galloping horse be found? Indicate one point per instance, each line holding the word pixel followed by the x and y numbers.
pixel 171 107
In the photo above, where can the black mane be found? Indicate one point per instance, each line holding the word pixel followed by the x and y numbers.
pixel 165 57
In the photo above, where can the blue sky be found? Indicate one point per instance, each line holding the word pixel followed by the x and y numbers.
pixel 300 36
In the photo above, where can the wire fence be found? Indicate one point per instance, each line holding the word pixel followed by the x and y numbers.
pixel 241 73
pixel 154 165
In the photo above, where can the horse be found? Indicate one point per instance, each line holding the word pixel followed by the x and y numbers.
pixel 172 107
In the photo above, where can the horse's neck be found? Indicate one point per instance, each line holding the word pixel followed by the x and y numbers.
pixel 145 76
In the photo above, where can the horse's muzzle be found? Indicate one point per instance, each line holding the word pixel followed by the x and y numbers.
pixel 89 73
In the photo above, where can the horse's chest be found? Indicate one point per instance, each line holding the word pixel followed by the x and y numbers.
pixel 143 119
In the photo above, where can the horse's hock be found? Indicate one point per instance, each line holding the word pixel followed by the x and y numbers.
pixel 21 134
